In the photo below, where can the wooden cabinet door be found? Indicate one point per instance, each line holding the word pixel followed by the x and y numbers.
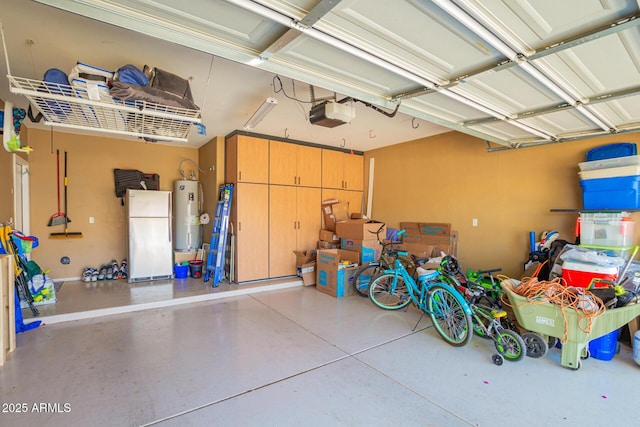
pixel 283 163
pixel 309 166
pixel 252 232
pixel 283 225
pixel 332 169
pixel 309 218
pixel 355 201
pixel 253 159
pixel 353 172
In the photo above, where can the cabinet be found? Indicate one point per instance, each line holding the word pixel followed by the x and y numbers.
pixel 294 164
pixel 342 170
pixel 250 217
pixel 294 222
pixel 247 159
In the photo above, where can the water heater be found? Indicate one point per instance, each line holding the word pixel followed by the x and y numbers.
pixel 186 204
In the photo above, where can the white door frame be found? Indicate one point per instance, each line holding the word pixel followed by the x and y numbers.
pixel 21 206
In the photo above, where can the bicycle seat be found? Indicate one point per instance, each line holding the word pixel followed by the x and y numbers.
pixel 419 261
pixel 496 314
pixel 424 274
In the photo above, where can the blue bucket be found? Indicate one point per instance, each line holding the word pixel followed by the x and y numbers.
pixel 181 271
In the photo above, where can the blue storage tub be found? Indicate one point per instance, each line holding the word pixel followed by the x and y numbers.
pixel 611 193
pixel 609 151
pixel 604 348
pixel 181 271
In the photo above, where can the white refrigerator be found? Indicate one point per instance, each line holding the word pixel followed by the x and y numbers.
pixel 149 235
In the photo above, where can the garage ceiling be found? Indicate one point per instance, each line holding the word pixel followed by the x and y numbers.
pixel 515 73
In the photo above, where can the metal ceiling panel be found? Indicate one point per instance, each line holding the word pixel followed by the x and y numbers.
pixel 508 71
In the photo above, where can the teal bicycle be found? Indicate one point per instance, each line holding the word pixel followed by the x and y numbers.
pixel 451 315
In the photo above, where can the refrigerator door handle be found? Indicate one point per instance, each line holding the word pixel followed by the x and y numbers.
pixel 170 214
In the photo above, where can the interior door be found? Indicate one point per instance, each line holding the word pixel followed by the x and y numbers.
pixel 283 225
pixel 309 218
pixel 252 232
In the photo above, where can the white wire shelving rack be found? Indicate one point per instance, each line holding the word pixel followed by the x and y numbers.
pixel 79 108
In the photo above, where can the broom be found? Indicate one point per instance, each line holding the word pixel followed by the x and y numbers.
pixel 67 234
pixel 59 217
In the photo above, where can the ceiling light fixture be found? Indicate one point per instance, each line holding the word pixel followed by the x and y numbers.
pixel 589 115
pixel 504 35
pixel 477 28
pixel 260 113
pixel 495 114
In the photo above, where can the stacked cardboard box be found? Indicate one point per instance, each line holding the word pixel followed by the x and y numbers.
pixel 435 234
pixel 335 271
pixel 332 209
pixel 306 264
pixel 361 235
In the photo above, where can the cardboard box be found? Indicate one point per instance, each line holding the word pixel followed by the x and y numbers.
pixel 307 272
pixel 435 228
pixel 180 257
pixel 303 257
pixel 328 245
pixel 447 244
pixel 329 236
pixel 369 250
pixel 360 229
pixel 437 234
pixel 333 277
pixel 420 250
pixel 334 211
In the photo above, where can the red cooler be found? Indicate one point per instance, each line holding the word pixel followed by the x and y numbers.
pixel 580 274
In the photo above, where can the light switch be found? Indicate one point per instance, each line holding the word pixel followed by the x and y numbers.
pixel 474 222
pixel 91 220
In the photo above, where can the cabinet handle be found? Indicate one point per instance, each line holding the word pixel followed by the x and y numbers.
pixel 298 180
pixel 239 226
pixel 345 185
pixel 294 225
pixel 240 176
pixel 298 225
pixel 295 180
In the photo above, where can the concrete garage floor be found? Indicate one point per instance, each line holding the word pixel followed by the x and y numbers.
pixel 295 357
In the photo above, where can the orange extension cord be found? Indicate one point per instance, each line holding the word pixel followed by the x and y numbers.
pixel 555 291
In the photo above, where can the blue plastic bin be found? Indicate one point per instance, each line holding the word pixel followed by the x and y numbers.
pixel 609 151
pixel 611 193
pixel 604 348
pixel 181 271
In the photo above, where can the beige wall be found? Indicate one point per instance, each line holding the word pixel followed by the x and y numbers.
pixel 452 178
pixel 211 156
pixel 6 182
pixel 91 193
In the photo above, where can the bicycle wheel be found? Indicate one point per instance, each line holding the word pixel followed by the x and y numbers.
pixel 449 317
pixel 510 345
pixel 364 277
pixel 389 292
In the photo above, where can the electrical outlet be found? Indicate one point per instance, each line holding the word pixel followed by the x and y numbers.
pixel 91 220
pixel 474 222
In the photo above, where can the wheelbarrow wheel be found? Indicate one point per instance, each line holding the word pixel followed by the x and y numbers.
pixel 585 354
pixel 536 345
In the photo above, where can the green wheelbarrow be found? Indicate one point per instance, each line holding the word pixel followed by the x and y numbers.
pixel 547 320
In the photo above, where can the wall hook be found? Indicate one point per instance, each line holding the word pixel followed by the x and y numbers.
pixel 286 133
pixel 414 124
pixel 371 134
pixel 344 142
